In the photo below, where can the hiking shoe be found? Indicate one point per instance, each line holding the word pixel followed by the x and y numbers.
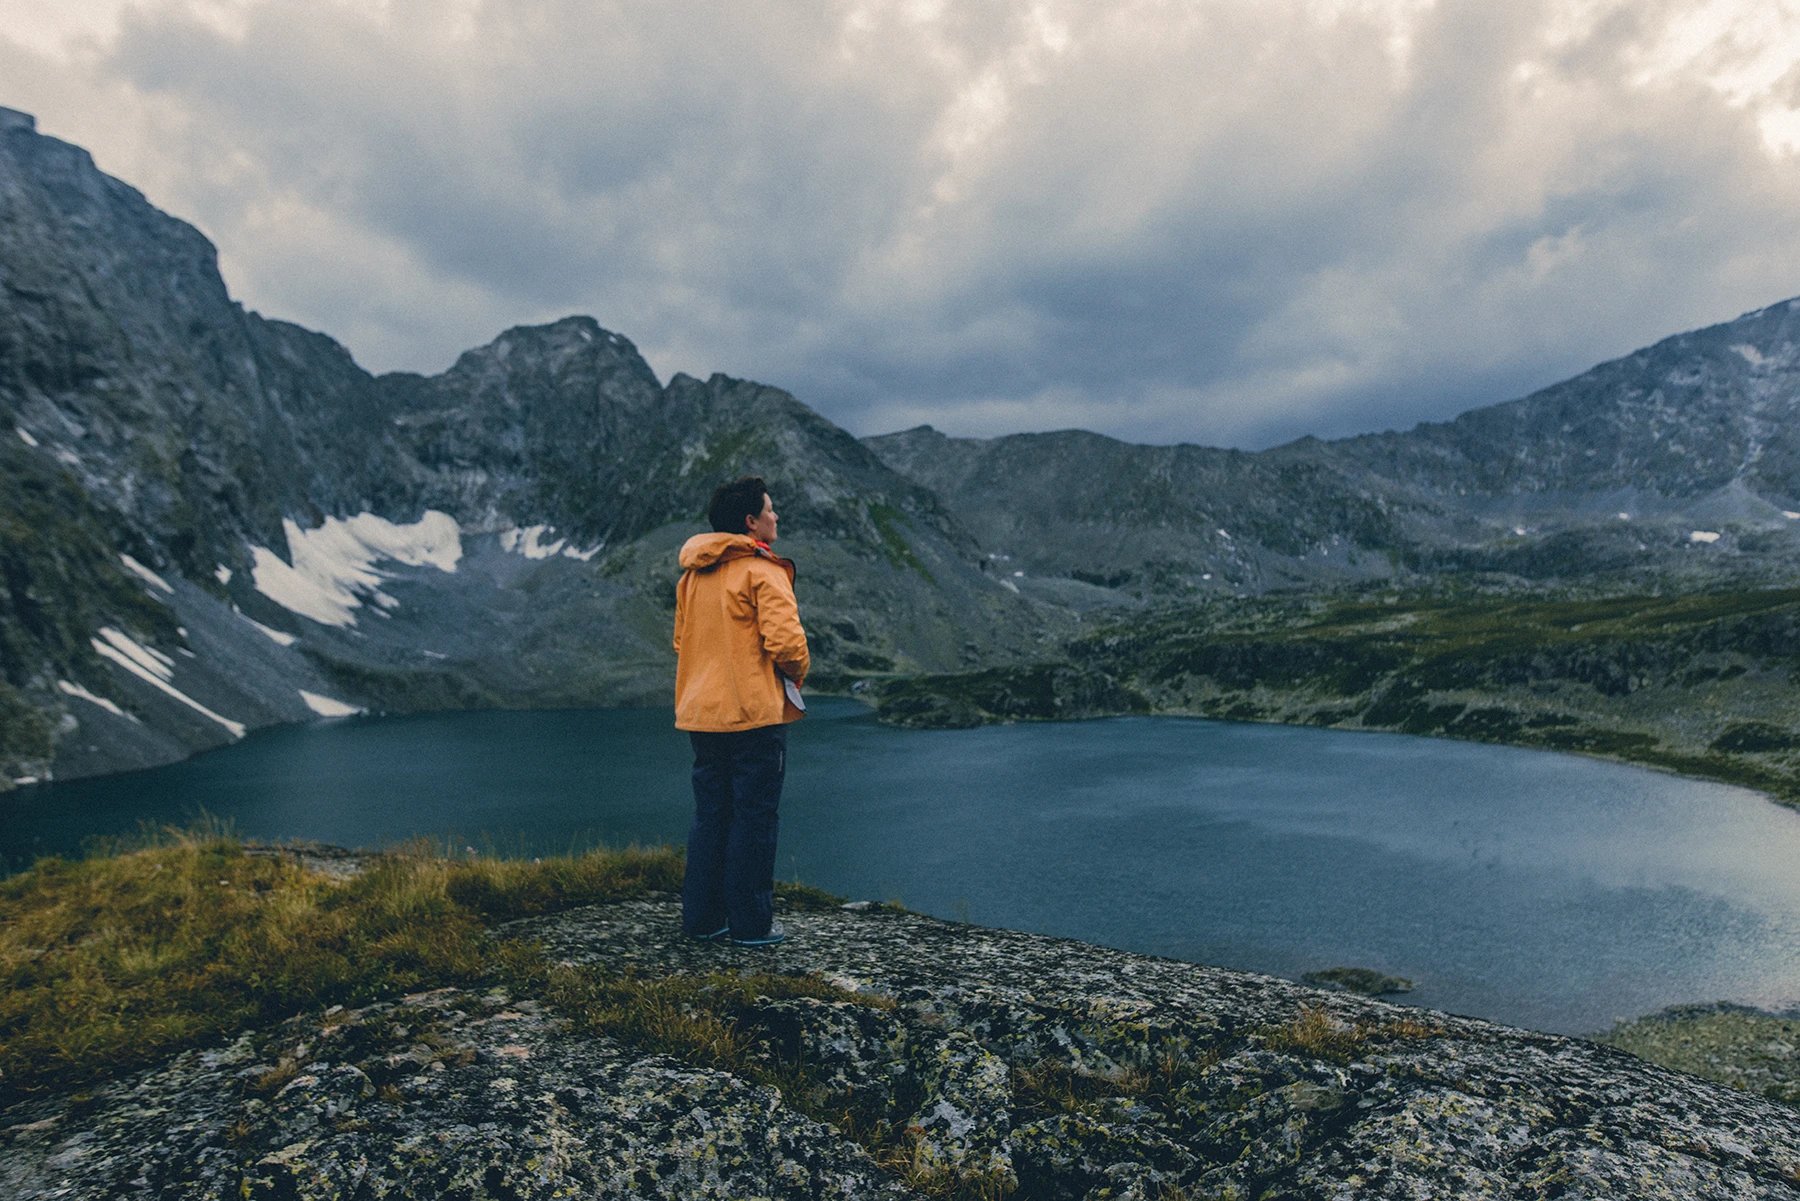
pixel 776 934
pixel 716 936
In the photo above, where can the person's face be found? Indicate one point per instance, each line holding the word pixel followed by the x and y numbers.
pixel 762 526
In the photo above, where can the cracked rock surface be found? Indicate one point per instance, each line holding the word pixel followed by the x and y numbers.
pixel 999 1063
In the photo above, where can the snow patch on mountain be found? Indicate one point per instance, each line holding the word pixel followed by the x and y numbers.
pixel 325 706
pixel 333 568
pixel 1750 354
pixel 145 574
pixel 154 668
pixel 278 637
pixel 76 690
pixel 531 542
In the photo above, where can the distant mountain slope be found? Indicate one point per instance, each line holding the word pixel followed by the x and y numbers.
pixel 1151 520
pixel 1637 465
pixel 211 521
pixel 1674 423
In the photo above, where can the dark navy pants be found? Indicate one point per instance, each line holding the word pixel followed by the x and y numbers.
pixel 730 877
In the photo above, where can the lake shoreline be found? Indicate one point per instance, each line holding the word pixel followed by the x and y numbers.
pixel 1252 844
pixel 1748 781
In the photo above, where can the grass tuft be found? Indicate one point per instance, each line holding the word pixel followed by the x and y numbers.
pixel 178 938
pixel 502 889
pixel 110 962
pixel 1314 1032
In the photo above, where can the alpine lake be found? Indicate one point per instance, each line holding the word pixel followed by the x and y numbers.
pixel 1543 890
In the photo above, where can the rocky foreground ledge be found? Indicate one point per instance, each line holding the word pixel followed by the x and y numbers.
pixel 1009 1064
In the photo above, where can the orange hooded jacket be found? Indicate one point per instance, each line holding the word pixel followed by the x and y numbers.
pixel 736 625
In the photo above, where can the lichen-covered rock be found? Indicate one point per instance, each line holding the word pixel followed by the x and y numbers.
pixel 961 1132
pixel 994 1063
pixel 1066 1154
pixel 1139 1076
pixel 446 1094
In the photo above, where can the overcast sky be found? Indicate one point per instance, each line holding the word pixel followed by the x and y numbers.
pixel 1231 222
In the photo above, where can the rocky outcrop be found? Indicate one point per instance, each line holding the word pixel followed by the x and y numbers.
pixel 953 1057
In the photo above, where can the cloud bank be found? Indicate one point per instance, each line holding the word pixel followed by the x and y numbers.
pixel 1224 221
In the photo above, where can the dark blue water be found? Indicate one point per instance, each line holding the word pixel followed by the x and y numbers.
pixel 1545 890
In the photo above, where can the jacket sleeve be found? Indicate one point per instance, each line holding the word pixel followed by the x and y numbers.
pixel 778 621
pixel 680 606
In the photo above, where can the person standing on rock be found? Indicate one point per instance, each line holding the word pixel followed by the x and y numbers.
pixel 740 658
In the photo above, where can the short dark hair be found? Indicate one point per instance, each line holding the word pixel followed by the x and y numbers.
pixel 733 502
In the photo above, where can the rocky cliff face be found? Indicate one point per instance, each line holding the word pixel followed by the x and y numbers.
pixel 998 1064
pixel 1082 518
pixel 1671 426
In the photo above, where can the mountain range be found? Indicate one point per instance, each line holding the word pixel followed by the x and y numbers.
pixel 212 521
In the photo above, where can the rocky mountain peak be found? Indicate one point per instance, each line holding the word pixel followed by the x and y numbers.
pixel 572 345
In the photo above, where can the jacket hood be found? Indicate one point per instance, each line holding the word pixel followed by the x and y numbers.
pixel 704 551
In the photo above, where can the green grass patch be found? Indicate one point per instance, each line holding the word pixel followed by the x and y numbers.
pixel 116 960
pixel 1315 1034
pixel 1744 1048
pixel 1755 738
pixel 708 1019
pixel 112 962
pixel 888 521
pixel 497 890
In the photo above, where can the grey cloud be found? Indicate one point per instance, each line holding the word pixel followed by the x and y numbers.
pixel 1226 222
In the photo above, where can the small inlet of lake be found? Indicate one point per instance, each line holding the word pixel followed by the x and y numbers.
pixel 1543 890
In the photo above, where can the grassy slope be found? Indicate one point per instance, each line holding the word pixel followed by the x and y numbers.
pixel 1756 1052
pixel 114 961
